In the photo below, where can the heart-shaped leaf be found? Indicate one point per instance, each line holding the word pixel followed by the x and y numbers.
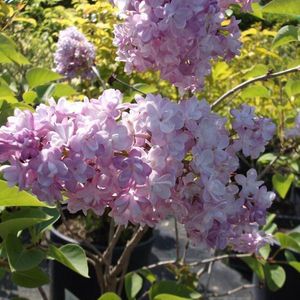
pixel 275 276
pixel 282 183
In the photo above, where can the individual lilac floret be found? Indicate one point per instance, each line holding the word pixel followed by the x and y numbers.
pixel 74 56
pixel 142 162
pixel 178 38
pixel 253 132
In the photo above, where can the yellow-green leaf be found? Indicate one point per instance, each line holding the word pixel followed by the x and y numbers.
pixel 11 196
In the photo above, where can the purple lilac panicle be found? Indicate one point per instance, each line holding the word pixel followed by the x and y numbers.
pixel 179 38
pixel 74 55
pixel 142 161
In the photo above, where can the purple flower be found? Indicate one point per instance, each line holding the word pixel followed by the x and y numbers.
pixel 74 55
pixel 178 38
pixel 133 169
pixel 144 161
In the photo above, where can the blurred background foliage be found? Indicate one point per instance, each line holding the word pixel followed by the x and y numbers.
pixel 34 26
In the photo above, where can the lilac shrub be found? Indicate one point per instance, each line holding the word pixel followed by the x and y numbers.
pixel 74 55
pixel 144 161
pixel 178 38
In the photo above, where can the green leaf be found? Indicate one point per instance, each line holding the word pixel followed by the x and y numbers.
pixel 6 110
pixel 145 88
pixel 18 221
pixel 256 70
pixel 4 59
pixel 257 10
pixel 275 276
pixel 41 76
pixel 221 71
pixel 295 235
pixel 270 218
pixel 265 251
pixel 292 87
pixel 72 256
pixel 266 158
pixel 292 260
pixel 5 91
pixel 29 97
pixel 11 196
pixel 133 284
pixel 255 266
pixel 31 278
pixel 8 52
pixel 284 7
pixel 63 90
pixel 282 183
pixel 255 91
pixel 5 40
pixel 285 35
pixel 287 242
pixel 54 216
pixel 19 258
pixel 172 288
pixel 151 277
pixel 25 20
pixel 109 296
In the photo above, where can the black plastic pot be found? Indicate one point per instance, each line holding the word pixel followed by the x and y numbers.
pixel 65 281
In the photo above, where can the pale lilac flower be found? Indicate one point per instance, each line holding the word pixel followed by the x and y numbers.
pixel 142 162
pixel 178 38
pixel 74 55
pixel 253 132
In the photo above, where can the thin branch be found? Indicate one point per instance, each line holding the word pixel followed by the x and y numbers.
pixel 113 78
pixel 220 257
pixel 99 274
pixel 108 252
pixel 267 76
pixel 177 239
pixel 268 167
pixel 209 273
pixel 185 250
pixel 160 264
pixel 128 250
pixel 43 293
pixel 122 277
pixel 235 290
pixel 98 75
pixel 197 263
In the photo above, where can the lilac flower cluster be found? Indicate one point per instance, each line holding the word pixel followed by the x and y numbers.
pixel 74 55
pixel 178 38
pixel 142 162
pixel 253 132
